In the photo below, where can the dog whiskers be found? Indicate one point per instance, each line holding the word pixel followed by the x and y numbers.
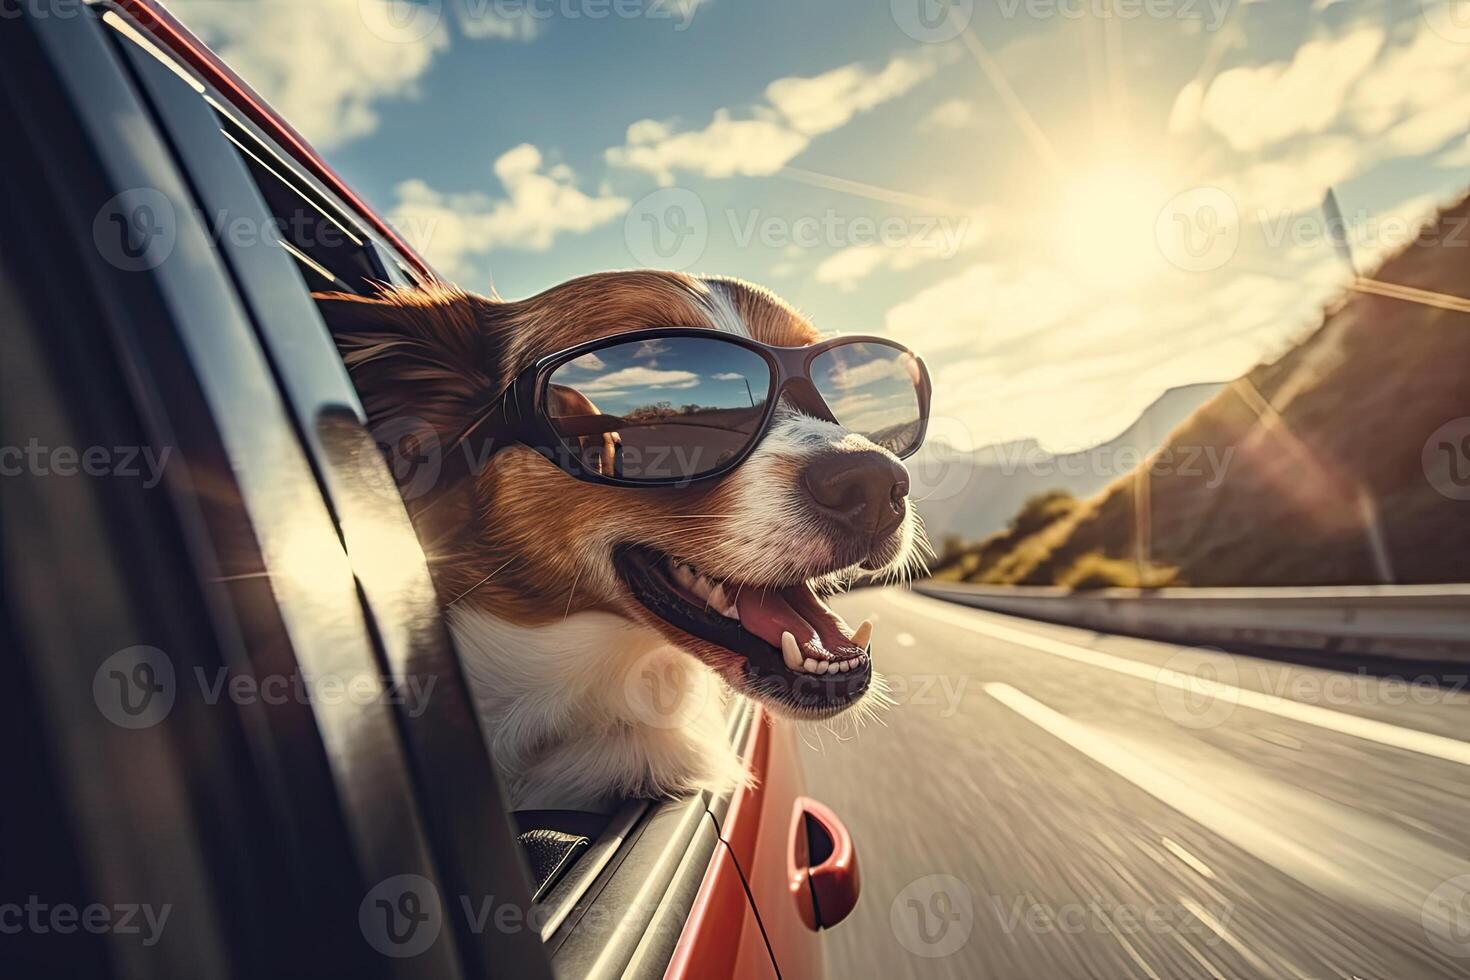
pixel 572 593
pixel 481 582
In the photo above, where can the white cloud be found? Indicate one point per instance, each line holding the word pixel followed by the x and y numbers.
pixel 324 65
pixel 1457 156
pixel 725 148
pixel 1295 181
pixel 828 101
pixel 862 375
pixel 1184 117
pixel 1338 108
pixel 588 362
pixel 1416 98
pixel 1022 350
pixel 483 20
pixel 539 205
pixel 950 114
pixel 641 377
pixel 1257 107
pixel 947 238
pixel 857 262
pixel 984 308
pixel 796 110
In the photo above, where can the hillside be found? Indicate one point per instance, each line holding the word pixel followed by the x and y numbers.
pixel 970 495
pixel 1341 468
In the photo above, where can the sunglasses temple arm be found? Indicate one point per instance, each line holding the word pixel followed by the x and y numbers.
pixel 498 422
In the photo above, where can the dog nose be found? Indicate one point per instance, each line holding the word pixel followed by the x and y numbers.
pixel 864 491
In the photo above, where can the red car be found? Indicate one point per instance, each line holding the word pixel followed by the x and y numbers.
pixel 196 539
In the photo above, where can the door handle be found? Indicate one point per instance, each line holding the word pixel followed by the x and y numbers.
pixel 823 868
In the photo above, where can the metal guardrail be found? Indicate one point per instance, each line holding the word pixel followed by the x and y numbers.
pixel 1429 622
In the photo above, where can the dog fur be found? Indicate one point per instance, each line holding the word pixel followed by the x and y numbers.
pixel 561 661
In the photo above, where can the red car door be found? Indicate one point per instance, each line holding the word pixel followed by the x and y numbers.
pixel 798 862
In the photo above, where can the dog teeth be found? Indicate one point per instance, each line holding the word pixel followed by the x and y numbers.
pixel 721 603
pixel 791 652
pixel 797 661
pixel 715 597
pixel 709 590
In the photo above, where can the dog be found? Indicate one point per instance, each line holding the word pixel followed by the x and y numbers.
pixel 589 691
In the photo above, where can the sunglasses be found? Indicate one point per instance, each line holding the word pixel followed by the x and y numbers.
pixel 672 405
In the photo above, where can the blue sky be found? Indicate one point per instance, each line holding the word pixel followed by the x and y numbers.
pixel 1066 210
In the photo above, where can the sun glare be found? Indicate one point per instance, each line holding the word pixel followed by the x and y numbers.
pixel 1103 225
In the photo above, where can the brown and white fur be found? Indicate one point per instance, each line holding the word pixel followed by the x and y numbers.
pixel 572 676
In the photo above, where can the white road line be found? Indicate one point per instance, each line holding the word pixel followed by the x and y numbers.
pixel 1335 851
pixel 1218 928
pixel 1199 866
pixel 1424 743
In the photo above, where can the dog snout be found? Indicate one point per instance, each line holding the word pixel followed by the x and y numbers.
pixel 863 492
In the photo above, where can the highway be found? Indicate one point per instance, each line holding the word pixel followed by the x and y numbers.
pixel 1050 802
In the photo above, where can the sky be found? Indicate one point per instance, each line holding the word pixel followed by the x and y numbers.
pixel 1065 206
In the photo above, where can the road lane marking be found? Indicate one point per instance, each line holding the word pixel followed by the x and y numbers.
pixel 1411 740
pixel 1218 928
pixel 1189 859
pixel 1131 950
pixel 1334 851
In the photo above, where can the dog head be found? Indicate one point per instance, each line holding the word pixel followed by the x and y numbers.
pixel 732 571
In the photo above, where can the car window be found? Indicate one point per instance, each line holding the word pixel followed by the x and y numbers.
pixel 332 250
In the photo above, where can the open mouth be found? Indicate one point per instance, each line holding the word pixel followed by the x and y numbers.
pixel 794 651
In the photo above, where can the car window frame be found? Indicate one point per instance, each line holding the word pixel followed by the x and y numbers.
pixel 190 360
pixel 465 816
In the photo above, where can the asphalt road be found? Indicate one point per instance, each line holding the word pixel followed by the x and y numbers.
pixel 1053 803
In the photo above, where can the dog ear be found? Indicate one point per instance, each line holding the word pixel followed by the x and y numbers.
pixel 424 354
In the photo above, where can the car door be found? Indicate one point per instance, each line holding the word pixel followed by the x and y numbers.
pixel 307 241
pixel 312 826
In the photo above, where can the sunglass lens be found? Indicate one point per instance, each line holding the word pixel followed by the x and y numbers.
pixel 872 389
pixel 661 410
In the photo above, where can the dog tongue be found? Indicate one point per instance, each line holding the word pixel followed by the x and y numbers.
pixel 795 610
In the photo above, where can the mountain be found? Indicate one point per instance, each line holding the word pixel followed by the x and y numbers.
pixel 972 494
pixel 1348 459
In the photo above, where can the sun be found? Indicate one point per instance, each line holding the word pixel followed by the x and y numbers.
pixel 1102 225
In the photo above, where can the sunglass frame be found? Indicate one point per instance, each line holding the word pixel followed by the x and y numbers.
pixel 521 415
